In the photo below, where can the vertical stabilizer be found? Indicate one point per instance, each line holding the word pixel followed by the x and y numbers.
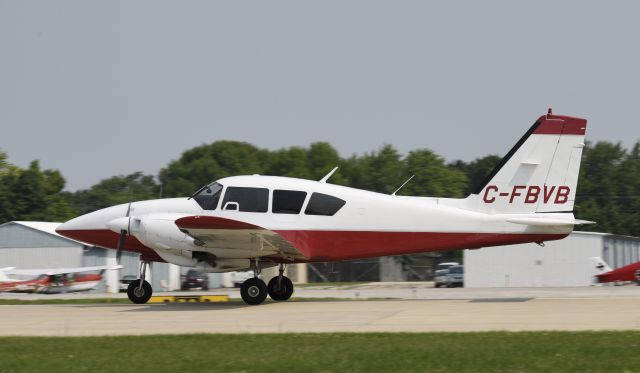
pixel 600 266
pixel 540 173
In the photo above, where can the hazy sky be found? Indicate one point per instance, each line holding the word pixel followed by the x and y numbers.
pixel 97 89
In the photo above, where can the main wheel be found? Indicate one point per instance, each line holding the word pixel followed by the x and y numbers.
pixel 282 292
pixel 253 291
pixel 141 295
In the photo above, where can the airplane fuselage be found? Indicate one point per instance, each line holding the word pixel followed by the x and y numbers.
pixel 368 224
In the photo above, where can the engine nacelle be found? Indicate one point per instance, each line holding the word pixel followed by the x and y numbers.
pixel 159 231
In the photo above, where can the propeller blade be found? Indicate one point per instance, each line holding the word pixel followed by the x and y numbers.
pixel 129 222
pixel 123 236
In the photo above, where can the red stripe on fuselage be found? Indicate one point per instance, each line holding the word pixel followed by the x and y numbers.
pixel 324 246
pixel 212 222
pixel 109 239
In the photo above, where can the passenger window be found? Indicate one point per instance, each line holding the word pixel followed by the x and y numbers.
pixel 288 201
pixel 323 204
pixel 247 199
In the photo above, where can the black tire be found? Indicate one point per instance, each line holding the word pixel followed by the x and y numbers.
pixel 253 291
pixel 284 292
pixel 143 295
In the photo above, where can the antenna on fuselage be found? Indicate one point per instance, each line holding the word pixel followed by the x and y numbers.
pixel 403 184
pixel 327 176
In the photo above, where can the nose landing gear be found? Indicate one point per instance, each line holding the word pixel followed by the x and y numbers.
pixel 139 291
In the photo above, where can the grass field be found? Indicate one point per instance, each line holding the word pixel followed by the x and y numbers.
pixel 434 352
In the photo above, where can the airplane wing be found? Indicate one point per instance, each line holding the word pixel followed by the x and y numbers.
pixel 217 232
pixel 57 271
pixel 547 221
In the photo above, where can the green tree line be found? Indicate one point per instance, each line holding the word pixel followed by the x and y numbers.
pixel 608 191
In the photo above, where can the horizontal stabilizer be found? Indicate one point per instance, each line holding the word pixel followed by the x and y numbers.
pixel 543 222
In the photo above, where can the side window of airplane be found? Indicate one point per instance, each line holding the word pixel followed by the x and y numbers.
pixel 246 199
pixel 287 201
pixel 323 204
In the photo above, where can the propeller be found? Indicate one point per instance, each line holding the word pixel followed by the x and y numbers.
pixel 123 235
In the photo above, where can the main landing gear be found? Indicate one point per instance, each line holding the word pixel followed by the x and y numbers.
pixel 254 291
pixel 139 291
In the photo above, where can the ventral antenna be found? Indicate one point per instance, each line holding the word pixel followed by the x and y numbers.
pixel 403 184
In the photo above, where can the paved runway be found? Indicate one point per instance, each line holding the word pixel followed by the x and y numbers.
pixel 603 308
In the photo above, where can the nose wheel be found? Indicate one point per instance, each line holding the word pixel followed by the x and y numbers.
pixel 139 294
pixel 140 291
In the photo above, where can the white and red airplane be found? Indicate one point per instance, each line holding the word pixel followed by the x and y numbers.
pixel 257 221
pixel 51 280
pixel 604 273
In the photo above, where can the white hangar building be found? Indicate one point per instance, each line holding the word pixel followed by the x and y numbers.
pixel 565 262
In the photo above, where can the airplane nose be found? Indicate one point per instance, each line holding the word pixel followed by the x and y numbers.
pixel 74 228
pixel 71 225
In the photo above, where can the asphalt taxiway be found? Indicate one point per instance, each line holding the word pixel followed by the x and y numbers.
pixel 412 309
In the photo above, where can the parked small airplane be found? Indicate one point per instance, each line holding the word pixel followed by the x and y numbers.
pixel 604 273
pixel 243 222
pixel 50 281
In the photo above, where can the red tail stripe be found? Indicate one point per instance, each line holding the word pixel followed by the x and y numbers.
pixel 561 125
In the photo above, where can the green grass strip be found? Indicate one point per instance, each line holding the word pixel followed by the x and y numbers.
pixel 330 352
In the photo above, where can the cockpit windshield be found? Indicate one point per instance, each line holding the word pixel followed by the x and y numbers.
pixel 208 196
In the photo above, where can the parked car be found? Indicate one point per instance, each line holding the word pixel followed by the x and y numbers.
pixel 440 278
pixel 446 265
pixel 238 277
pixel 125 281
pixel 442 270
pixel 455 277
pixel 195 279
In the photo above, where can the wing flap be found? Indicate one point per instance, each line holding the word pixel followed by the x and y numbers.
pixel 223 233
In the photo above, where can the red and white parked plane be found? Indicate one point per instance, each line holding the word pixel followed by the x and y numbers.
pixel 51 281
pixel 257 221
pixel 604 273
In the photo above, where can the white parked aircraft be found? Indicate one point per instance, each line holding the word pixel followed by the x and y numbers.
pixel 257 221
